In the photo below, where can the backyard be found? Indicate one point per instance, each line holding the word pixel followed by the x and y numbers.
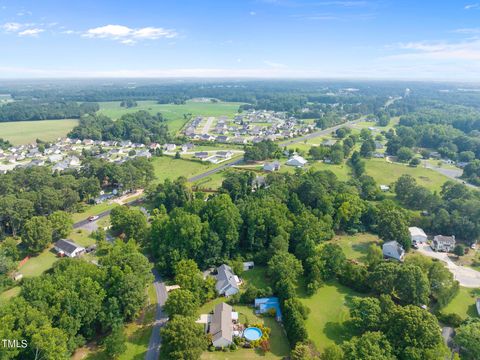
pixel 329 309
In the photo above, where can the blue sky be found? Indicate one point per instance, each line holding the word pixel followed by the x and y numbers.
pixel 368 39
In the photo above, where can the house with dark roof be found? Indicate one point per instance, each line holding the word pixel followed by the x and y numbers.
pixel 270 167
pixel 68 248
pixel 227 282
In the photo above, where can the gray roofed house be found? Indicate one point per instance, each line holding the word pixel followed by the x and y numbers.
pixel 201 155
pixel 393 250
pixel 221 327
pixel 227 281
pixel 273 166
pixel 443 243
pixel 68 248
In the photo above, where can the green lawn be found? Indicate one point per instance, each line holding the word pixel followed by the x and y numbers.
pixel 463 303
pixel 256 277
pixel 8 294
pixel 167 167
pixel 24 132
pixel 35 266
pixel 355 246
pixel 328 311
pixel 387 173
pixel 174 113
pixel 90 210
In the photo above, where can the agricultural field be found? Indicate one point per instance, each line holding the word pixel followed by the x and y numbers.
pixel 174 113
pixel 25 132
pixel 329 309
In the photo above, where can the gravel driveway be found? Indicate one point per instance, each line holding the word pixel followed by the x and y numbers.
pixel 466 276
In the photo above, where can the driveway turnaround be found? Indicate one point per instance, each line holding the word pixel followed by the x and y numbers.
pixel 466 276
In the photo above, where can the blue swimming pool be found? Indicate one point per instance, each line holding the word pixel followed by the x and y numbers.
pixel 252 333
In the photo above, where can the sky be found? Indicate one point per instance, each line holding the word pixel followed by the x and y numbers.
pixel 351 39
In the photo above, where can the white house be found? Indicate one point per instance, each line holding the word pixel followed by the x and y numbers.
pixel 393 250
pixel 297 160
pixel 68 248
pixel 417 235
pixel 384 188
pixel 443 243
pixel 227 282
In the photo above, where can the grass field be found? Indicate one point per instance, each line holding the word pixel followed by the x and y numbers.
pixel 37 265
pixel 167 167
pixel 24 132
pixel 463 303
pixel 355 246
pixel 8 294
pixel 386 173
pixel 329 310
pixel 174 113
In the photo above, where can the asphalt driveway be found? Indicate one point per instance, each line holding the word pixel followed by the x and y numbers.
pixel 466 276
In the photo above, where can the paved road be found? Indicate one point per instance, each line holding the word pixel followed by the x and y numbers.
pixel 153 351
pixel 91 225
pixel 317 133
pixel 453 174
pixel 466 276
pixel 213 171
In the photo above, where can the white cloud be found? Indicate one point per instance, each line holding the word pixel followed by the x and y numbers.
pixel 12 26
pixel 274 65
pixel 467 50
pixel 127 35
pixel 252 13
pixel 31 32
pixel 472 6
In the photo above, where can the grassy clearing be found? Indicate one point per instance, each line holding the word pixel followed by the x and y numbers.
pixel 386 173
pixel 329 309
pixel 24 132
pixel 355 246
pixel 37 265
pixel 173 113
pixel 8 294
pixel 166 167
pixel 463 303
pixel 256 277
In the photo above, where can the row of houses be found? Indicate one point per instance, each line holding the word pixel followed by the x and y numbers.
pixel 392 249
pixel 242 129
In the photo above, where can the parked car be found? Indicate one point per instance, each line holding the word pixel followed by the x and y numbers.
pixel 93 218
